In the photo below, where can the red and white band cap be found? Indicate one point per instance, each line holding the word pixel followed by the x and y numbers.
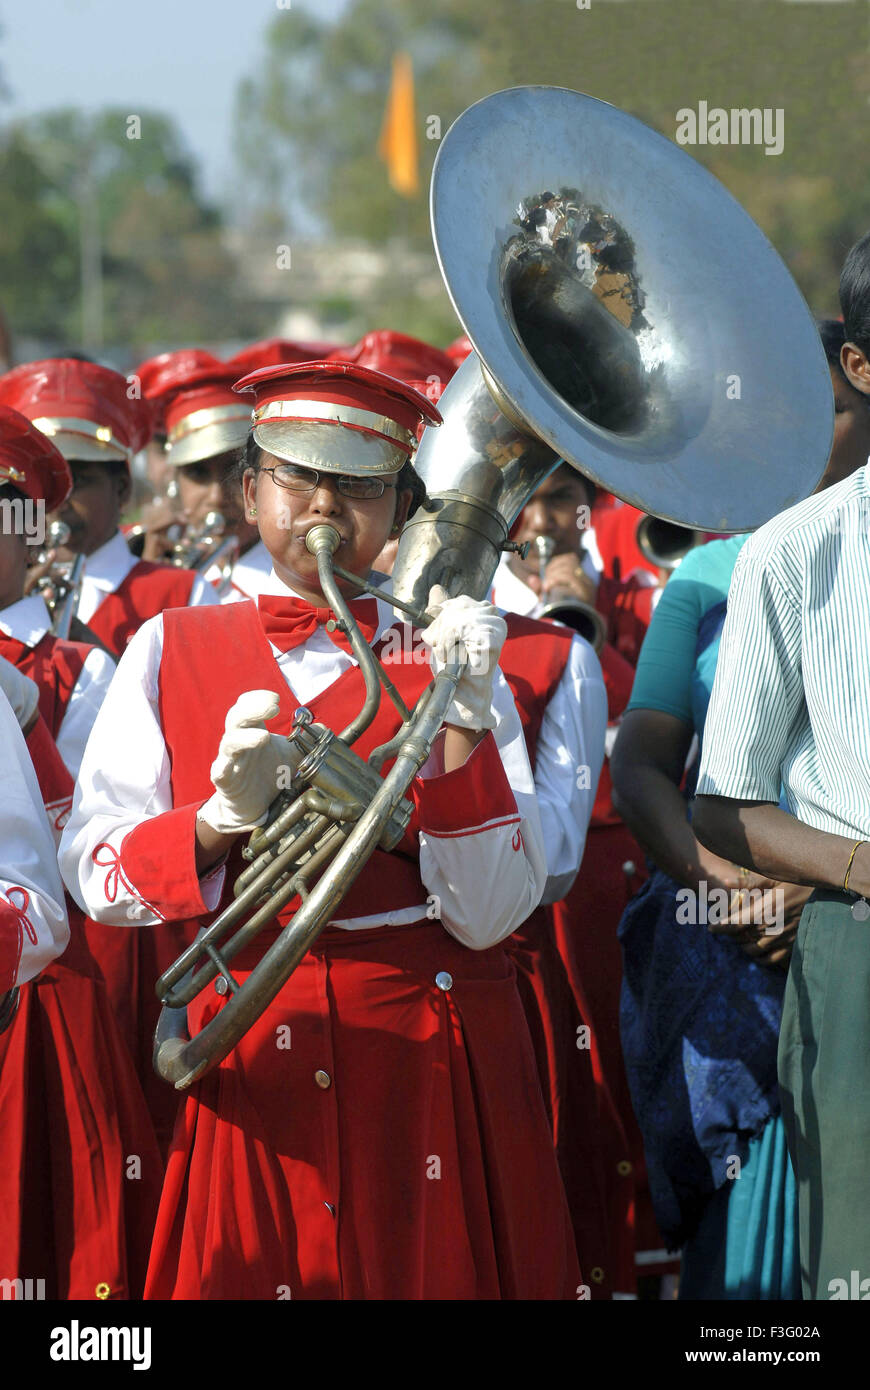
pixel 336 417
pixel 90 412
pixel 68 434
pixel 202 414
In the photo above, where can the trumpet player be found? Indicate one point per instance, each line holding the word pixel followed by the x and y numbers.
pixel 207 426
pixel 72 677
pixel 388 1145
pixel 89 413
pixel 558 513
pixel 71 1104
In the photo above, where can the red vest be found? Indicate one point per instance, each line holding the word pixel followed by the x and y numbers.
pixel 193 726
pixel 533 660
pixel 55 664
pixel 147 590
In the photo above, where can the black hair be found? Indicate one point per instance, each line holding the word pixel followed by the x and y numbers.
pixel 855 294
pixel 409 479
pixel 833 335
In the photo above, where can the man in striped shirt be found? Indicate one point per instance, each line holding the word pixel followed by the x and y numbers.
pixel 791 706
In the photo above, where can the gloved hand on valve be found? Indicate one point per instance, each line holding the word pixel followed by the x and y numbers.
pixel 245 773
pixel 465 628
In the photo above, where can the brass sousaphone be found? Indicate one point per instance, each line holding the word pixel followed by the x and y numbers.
pixel 627 316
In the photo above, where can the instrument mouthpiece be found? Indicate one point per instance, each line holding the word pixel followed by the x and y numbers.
pixel 321 538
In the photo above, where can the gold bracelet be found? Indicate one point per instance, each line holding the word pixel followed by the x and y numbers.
pixel 855 849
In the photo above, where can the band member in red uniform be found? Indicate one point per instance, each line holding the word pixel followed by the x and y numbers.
pixel 33 923
pixel 88 412
pixel 207 427
pixel 79 1168
pixel 72 677
pixel 389 1146
pixel 585 920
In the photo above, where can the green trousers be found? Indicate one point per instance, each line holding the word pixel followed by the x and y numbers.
pixel 824 1077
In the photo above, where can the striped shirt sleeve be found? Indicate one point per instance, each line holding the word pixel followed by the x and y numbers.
pixel 757 701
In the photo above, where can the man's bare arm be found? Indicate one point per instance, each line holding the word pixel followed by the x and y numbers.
pixel 778 845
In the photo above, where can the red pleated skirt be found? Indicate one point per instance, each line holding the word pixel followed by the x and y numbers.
pixel 130 961
pixel 378 1134
pixel 80 1172
pixel 586 1134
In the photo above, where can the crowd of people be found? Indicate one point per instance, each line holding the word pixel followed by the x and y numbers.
pixel 513 1065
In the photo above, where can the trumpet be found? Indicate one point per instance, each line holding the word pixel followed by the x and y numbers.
pixel 202 547
pixel 563 606
pixel 61 586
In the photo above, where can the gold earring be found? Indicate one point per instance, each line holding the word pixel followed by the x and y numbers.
pixel 253 511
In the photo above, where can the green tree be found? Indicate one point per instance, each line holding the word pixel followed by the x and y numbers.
pixel 309 122
pixel 124 186
pixel 39 273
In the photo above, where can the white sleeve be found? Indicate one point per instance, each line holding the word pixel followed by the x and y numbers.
pixel 88 694
pixel 33 921
pixel 482 858
pixel 568 761
pixel 202 592
pixel 124 780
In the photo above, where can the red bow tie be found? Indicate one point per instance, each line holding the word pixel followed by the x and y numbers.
pixel 288 622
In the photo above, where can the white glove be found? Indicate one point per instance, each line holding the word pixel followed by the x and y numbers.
pixel 466 628
pixel 21 692
pixel 245 772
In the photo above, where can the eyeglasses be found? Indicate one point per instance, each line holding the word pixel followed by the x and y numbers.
pixel 295 478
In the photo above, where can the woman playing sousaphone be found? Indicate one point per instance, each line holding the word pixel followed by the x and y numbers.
pixel 378 1130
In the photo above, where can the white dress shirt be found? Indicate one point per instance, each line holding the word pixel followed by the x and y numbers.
pixel 572 738
pixel 29 878
pixel 28 621
pixel 108 567
pixel 479 883
pixel 791 697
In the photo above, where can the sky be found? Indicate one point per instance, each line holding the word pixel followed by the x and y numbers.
pixel 182 57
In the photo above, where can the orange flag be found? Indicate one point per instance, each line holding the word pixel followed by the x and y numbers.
pixel 397 145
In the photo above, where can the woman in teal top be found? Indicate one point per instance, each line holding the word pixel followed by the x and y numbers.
pixel 699 1019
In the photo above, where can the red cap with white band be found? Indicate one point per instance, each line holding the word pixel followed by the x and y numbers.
pixel 277 352
pixel 337 417
pixel 85 409
pixel 400 355
pixel 156 374
pixel 30 462
pixel 202 415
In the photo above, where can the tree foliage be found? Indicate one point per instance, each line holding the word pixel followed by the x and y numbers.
pixel 309 122
pixel 166 274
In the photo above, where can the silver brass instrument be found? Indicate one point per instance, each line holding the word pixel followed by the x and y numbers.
pixel 338 808
pixel 564 607
pixel 61 587
pixel 615 295
pixel 204 546
pixel 664 543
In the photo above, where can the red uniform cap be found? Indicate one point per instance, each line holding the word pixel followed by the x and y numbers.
pixel 458 350
pixel 83 407
pixel 273 352
pixel 155 373
pixel 398 355
pixel 202 414
pixel 337 417
pixel 30 462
